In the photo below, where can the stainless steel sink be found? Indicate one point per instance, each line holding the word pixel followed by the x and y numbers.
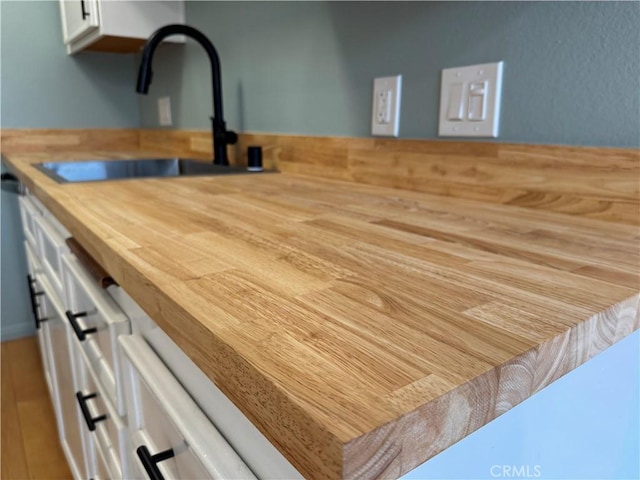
pixel 103 170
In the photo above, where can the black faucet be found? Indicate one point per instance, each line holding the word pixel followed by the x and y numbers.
pixel 221 136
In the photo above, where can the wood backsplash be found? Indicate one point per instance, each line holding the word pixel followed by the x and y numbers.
pixel 67 140
pixel 594 182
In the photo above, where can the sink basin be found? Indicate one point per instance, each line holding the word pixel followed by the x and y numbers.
pixel 103 170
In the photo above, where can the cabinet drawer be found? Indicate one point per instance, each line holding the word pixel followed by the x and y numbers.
pixel 97 322
pixel 163 417
pixel 50 247
pixel 102 422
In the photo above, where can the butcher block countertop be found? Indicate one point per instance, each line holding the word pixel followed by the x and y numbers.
pixel 362 329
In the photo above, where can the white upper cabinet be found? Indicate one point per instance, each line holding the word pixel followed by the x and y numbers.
pixel 78 18
pixel 115 25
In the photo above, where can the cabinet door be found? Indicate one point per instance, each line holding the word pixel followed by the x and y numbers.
pixel 45 316
pixel 66 373
pixel 36 292
pixel 79 17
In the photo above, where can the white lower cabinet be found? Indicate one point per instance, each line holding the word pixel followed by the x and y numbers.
pixel 97 321
pixel 102 428
pixel 53 348
pixel 36 296
pixel 170 436
pixel 260 455
pixel 91 427
pixel 65 381
pixel 123 410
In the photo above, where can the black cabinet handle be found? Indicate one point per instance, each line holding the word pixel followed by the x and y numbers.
pixel 11 183
pixel 85 14
pixel 80 333
pixel 149 461
pixel 82 402
pixel 8 177
pixel 34 302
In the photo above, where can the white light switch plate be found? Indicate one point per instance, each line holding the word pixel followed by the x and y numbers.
pixel 470 101
pixel 385 116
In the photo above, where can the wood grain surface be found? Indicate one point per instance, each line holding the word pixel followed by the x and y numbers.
pixel 362 329
pixel 71 140
pixel 588 181
pixel 595 182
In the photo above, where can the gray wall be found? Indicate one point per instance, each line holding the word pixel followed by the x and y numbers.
pixel 15 314
pixel 572 76
pixel 572 70
pixel 42 87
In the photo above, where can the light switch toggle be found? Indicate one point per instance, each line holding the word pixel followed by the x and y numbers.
pixel 455 111
pixel 477 111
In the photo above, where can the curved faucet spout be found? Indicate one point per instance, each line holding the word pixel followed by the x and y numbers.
pixel 221 136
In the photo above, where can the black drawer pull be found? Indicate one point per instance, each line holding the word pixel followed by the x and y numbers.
pixel 14 187
pixel 34 302
pixel 82 402
pixel 85 14
pixel 80 333
pixel 9 177
pixel 149 461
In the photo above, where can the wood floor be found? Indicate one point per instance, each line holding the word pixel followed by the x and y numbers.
pixel 30 448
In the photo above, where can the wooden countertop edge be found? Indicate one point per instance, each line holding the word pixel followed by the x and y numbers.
pixel 376 454
pixel 309 433
pixel 433 427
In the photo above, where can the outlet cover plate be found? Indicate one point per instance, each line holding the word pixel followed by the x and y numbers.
pixel 470 101
pixel 385 115
pixel 164 111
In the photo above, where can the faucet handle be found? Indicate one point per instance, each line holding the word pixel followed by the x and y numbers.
pixel 221 134
pixel 230 137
